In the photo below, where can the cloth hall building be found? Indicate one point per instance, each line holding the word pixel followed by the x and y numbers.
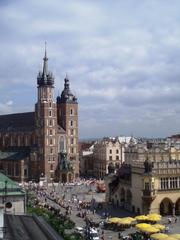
pixel 43 143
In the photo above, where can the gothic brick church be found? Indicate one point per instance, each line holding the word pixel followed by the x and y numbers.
pixel 43 143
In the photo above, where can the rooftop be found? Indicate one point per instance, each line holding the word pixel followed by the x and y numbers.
pixel 9 187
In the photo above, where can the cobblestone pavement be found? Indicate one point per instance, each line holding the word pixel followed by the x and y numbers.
pixel 86 193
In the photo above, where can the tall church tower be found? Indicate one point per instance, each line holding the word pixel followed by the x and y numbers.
pixel 67 114
pixel 46 122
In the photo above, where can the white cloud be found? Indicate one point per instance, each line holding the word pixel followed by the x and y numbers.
pixel 122 58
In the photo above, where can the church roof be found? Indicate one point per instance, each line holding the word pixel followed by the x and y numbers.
pixel 17 122
pixel 14 153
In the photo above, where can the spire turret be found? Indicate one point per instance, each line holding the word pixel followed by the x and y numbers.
pixel 66 95
pixel 45 64
pixel 45 77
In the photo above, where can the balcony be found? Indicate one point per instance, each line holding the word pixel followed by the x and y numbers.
pixel 148 195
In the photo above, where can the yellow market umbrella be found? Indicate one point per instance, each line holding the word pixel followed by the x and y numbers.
pixel 153 217
pixel 158 236
pixel 150 230
pixel 175 235
pixel 130 218
pixel 124 221
pixel 159 226
pixel 142 225
pixel 169 238
pixel 141 217
pixel 113 220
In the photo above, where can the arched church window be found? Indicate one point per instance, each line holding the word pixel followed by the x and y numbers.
pixel 62 144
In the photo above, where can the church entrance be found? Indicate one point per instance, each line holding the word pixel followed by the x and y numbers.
pixel 64 178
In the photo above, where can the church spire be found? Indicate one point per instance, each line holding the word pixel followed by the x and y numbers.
pixel 45 64
pixel 45 78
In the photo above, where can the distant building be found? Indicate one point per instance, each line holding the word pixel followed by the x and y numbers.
pixel 108 156
pixel 44 142
pixel 86 158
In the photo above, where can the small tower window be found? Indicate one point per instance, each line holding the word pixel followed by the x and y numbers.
pixel 71 111
pixel 50 113
pixel 72 131
pixel 51 166
pixel 71 123
pixel 72 141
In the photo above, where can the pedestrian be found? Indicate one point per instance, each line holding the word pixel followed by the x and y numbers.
pixel 169 220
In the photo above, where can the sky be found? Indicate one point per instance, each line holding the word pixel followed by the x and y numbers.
pixel 122 58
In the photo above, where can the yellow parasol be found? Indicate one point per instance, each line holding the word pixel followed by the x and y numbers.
pixel 114 220
pixel 130 218
pixel 175 235
pixel 150 230
pixel 159 226
pixel 158 236
pixel 142 225
pixel 124 221
pixel 169 238
pixel 141 217
pixel 154 217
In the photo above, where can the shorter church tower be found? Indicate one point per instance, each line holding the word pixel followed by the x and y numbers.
pixel 67 115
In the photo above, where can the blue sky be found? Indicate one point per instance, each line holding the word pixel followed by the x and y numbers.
pixel 122 59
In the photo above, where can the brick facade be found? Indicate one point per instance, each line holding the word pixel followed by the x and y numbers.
pixel 41 133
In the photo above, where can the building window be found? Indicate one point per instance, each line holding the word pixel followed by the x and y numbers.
pixel 146 186
pixel 25 172
pixel 17 169
pixel 72 141
pixel 72 150
pixel 50 105
pixel 51 168
pixel 62 144
pixel 50 132
pixel 50 122
pixel 51 150
pixel 71 123
pixel 110 151
pixel 71 111
pixel 117 151
pixel 50 113
pixel 117 157
pixel 9 169
pixel 72 131
pixel 110 158
pixel 51 141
